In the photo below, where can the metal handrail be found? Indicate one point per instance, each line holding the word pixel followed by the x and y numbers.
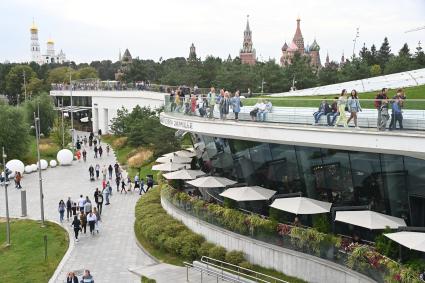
pixel 206 260
pixel 218 275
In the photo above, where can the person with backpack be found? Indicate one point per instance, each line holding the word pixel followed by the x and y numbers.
pixel 354 107
pixel 149 183
pixel 91 219
pixel 100 150
pixel 91 172
pixel 378 101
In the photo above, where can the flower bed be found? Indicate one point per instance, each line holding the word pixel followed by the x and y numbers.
pixel 361 258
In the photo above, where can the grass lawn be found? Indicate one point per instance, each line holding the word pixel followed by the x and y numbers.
pixel 417 92
pixel 23 261
pixel 48 150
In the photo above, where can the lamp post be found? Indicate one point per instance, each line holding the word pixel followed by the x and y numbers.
pixel 72 109
pixel 355 40
pixel 37 134
pixel 262 86
pixel 5 183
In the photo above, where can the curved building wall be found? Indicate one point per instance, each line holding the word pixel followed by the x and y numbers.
pixel 391 184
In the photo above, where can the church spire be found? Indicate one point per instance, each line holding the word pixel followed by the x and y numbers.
pixel 298 37
pixel 247 53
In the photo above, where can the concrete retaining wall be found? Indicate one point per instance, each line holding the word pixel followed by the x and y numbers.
pixel 300 265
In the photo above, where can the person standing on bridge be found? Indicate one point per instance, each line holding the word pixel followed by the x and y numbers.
pixel 236 105
pixel 354 107
pixel 342 103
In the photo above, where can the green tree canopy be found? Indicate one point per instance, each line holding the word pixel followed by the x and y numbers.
pixel 14 132
pixel 47 113
pixel 86 73
pixel 15 82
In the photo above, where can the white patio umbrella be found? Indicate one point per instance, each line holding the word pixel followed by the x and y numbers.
pixel 248 193
pixel 302 205
pixel 412 240
pixel 211 182
pixel 369 219
pixel 173 159
pixel 183 174
pixel 168 167
pixel 180 153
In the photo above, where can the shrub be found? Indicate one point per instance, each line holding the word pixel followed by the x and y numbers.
pixel 217 253
pixel 119 142
pixel 246 264
pixel 139 158
pixel 173 245
pixel 147 280
pixel 235 257
pixel 385 245
pixel 204 249
pixel 321 223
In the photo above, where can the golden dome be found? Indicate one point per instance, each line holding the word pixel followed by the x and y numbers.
pixel 50 41
pixel 33 27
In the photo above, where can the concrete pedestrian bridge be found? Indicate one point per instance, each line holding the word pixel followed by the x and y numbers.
pixel 406 142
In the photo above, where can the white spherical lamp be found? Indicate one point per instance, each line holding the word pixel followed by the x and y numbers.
pixel 15 165
pixel 28 169
pixel 65 157
pixel 43 164
pixel 53 163
pixel 34 167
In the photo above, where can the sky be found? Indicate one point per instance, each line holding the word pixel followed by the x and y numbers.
pixel 89 30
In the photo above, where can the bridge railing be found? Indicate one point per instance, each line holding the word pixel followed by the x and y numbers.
pixel 300 111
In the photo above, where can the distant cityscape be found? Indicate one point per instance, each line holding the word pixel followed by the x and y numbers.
pixel 247 53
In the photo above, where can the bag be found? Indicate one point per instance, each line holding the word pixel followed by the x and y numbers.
pixel 240 103
pixel 253 112
pixel 346 108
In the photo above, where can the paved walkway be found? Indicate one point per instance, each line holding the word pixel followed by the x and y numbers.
pixel 108 255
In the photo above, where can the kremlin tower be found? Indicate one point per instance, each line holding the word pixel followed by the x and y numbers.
pixel 247 53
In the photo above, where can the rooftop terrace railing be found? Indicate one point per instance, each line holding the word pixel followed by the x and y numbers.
pixel 98 85
pixel 292 111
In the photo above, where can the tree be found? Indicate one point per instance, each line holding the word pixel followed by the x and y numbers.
pixel 354 70
pixel 373 55
pixel 384 53
pixel 405 51
pixel 15 82
pixel 47 113
pixel 35 86
pixel 375 70
pixel 366 55
pixel 301 70
pixel 87 73
pixel 329 74
pixel 60 75
pixel 14 132
pixel 57 135
pixel 119 124
pixel 420 56
pixel 398 64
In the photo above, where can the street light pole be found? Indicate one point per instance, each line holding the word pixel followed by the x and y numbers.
pixel 37 134
pixel 72 109
pixel 63 130
pixel 355 40
pixel 5 183
pixel 25 87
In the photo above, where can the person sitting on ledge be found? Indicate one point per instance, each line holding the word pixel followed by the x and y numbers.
pixel 323 110
pixel 262 112
pixel 253 113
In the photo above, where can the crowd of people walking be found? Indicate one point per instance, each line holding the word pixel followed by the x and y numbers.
pixel 83 212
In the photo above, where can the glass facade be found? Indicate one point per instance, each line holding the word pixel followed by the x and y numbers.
pixel 391 184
